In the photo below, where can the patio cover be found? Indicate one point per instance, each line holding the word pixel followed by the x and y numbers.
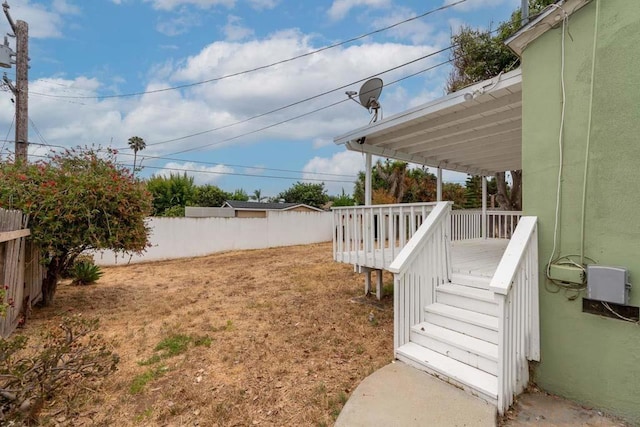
pixel 476 130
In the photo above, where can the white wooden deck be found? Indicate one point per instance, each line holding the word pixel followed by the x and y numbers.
pixel 478 257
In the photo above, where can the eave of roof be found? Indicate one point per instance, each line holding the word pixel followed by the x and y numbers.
pixel 550 17
pixel 476 130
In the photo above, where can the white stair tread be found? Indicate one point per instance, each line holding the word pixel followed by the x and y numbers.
pixel 471 280
pixel 484 320
pixel 467 291
pixel 457 371
pixel 465 342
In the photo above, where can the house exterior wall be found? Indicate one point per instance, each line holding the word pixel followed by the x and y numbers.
pixel 251 214
pixel 588 358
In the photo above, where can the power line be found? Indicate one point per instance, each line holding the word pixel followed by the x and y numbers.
pixel 262 67
pixel 308 99
pixel 293 118
pixel 6 138
pixel 290 178
pixel 201 162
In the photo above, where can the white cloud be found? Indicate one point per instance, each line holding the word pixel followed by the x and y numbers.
pixel 340 8
pixel 170 115
pixel 321 142
pixel 44 22
pixel 343 163
pixel 234 30
pixel 179 23
pixel 263 4
pixel 417 31
pixel 202 4
pixel 201 174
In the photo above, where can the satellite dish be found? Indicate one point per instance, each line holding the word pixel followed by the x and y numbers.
pixel 370 92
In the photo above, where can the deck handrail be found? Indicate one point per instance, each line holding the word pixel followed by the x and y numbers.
pixel 512 258
pixel 423 264
pixel 409 252
pixel 515 286
pixel 397 205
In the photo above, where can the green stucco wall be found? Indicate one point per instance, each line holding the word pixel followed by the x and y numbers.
pixel 587 358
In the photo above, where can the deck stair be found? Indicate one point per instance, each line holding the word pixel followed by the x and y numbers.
pixel 458 339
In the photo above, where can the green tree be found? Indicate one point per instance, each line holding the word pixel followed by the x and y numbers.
pixel 479 55
pixel 136 144
pixel 455 193
pixel 257 195
pixel 239 195
pixel 167 192
pixel 343 200
pixel 473 192
pixel 77 201
pixel 209 196
pixel 394 182
pixel 307 193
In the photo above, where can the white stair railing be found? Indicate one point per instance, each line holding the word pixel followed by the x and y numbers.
pixel 515 284
pixel 421 266
pixel 372 236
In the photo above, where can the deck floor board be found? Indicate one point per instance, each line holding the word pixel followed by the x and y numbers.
pixel 477 257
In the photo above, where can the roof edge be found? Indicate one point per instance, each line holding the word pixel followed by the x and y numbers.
pixel 549 18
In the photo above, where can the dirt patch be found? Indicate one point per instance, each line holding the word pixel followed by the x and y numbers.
pixel 266 337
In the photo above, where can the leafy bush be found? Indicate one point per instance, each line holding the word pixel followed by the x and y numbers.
pixel 67 362
pixel 85 273
pixel 77 201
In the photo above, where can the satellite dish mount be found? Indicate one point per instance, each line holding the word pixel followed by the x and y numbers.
pixel 369 95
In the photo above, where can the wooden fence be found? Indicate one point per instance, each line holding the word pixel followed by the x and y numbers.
pixel 21 272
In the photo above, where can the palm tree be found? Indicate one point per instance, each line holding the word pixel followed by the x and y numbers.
pixel 257 195
pixel 136 144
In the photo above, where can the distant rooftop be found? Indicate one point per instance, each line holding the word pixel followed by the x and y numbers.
pixel 236 204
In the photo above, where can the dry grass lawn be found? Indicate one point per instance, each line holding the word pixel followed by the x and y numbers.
pixel 264 337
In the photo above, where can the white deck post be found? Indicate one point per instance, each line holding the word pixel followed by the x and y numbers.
pixel 367 180
pixel 379 284
pixel 439 185
pixel 484 207
pixel 367 281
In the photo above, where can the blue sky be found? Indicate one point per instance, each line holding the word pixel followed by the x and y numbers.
pixel 86 56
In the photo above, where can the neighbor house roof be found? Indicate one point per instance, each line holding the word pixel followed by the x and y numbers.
pixel 260 206
pixel 476 130
pixel 549 18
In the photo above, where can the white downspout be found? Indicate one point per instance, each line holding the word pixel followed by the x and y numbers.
pixel 484 208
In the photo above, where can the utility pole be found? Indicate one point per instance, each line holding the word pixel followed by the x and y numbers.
pixel 21 89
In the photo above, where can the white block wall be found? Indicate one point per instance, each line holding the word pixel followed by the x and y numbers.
pixel 173 238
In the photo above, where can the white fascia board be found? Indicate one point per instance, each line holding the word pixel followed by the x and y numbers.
pixel 550 17
pixel 488 86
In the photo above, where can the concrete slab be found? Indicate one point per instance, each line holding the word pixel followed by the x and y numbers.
pixel 535 409
pixel 400 395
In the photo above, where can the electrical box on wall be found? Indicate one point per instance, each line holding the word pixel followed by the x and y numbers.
pixel 566 273
pixel 609 284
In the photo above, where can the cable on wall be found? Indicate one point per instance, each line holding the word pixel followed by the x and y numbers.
pixel 560 141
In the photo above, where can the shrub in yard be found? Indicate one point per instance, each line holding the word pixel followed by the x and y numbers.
pixel 68 361
pixel 85 273
pixel 77 201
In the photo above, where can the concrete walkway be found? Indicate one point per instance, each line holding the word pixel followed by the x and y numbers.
pixel 399 395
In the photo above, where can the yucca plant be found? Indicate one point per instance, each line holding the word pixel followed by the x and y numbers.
pixel 85 273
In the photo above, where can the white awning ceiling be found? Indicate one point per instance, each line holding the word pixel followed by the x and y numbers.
pixel 477 130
